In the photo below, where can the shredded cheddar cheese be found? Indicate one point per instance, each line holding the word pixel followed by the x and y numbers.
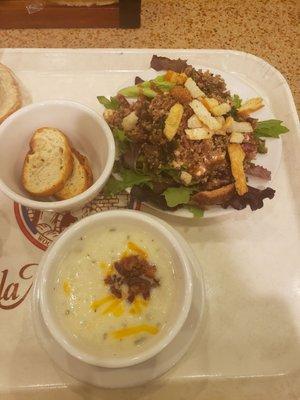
pixel 115 306
pixel 134 330
pixel 67 287
pixel 135 309
pixel 125 253
pixel 107 268
pixel 137 249
pixel 137 306
pixel 112 307
pixel 97 303
pixel 119 310
pixel 103 265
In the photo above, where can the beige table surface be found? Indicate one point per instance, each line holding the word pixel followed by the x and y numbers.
pixel 266 28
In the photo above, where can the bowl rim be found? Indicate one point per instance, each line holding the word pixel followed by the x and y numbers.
pixel 58 333
pixel 87 194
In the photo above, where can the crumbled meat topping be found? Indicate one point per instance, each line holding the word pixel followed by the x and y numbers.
pixel 212 85
pixel 134 276
pixel 205 160
pixel 160 106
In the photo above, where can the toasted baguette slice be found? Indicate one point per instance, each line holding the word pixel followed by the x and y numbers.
pixel 48 164
pixel 10 97
pixel 80 179
pixel 216 196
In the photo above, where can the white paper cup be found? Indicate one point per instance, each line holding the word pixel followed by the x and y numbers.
pixel 87 132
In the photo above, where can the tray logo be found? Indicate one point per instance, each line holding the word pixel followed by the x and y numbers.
pixel 42 228
pixel 12 293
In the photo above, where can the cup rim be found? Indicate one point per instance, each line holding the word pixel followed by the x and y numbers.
pixel 59 334
pixel 87 194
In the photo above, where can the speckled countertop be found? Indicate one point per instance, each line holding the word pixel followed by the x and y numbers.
pixel 266 28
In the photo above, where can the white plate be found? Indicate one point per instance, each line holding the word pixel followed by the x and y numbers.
pixel 271 160
pixel 137 374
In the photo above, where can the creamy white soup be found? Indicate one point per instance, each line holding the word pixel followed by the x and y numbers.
pixel 114 289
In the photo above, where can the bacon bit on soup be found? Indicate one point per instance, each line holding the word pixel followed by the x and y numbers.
pixel 134 330
pixel 133 276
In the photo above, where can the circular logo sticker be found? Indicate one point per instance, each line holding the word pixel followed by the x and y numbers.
pixel 43 227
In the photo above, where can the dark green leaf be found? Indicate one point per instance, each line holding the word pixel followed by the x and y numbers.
pixel 261 146
pixel 270 128
pixel 112 104
pixel 128 178
pixel 177 195
pixel 149 184
pixel 113 187
pixel 197 212
pixel 172 172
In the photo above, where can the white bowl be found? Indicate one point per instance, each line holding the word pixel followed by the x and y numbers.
pixel 87 131
pixel 183 285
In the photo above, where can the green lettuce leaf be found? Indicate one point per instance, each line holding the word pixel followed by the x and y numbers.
pixel 177 195
pixel 111 104
pixel 197 212
pixel 138 90
pixel 145 88
pixel 121 140
pixel 261 146
pixel 120 135
pixel 162 84
pixel 270 128
pixel 236 101
pixel 128 178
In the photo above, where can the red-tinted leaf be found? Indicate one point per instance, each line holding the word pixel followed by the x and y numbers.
pixel 258 171
pixel 254 198
pixel 165 63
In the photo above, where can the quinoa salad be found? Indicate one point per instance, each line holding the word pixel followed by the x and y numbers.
pixel 184 141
